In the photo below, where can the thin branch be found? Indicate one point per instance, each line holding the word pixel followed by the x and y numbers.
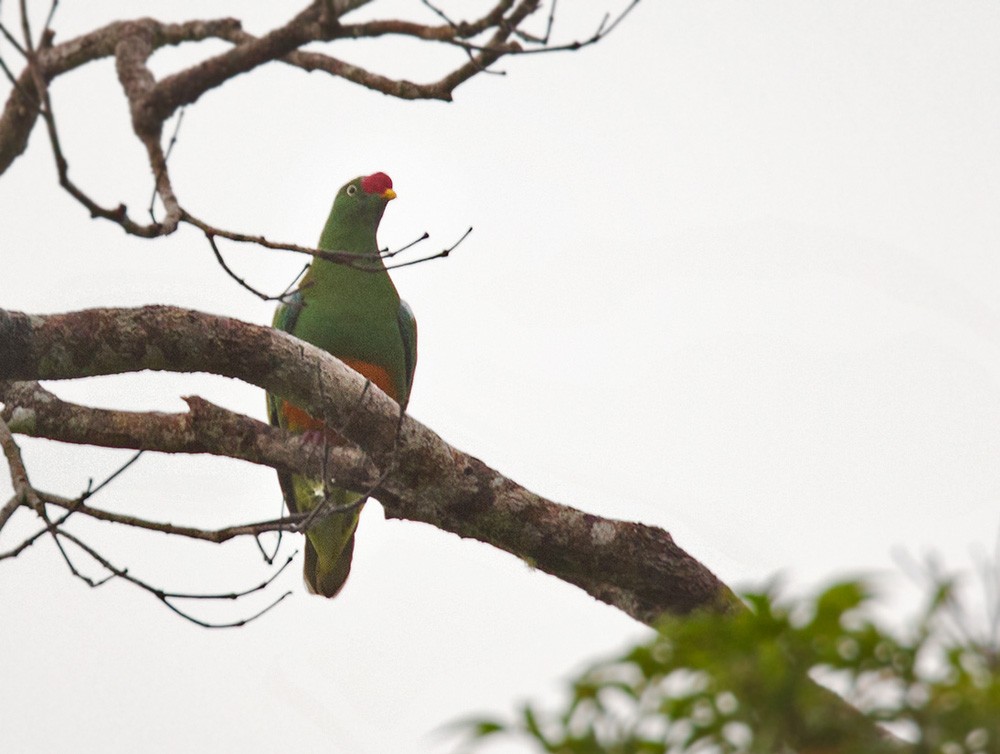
pixel 363 262
pixel 8 74
pixel 140 86
pixel 166 597
pixel 13 41
pixel 28 495
pixel 294 283
pixel 46 29
pixel 90 492
pixel 494 18
pixel 243 283
pixel 603 30
pixel 24 545
pixel 269 559
pixel 152 101
pixel 330 256
pixel 466 30
pixel 21 110
pixel 544 39
pixel 386 254
pixel 118 215
pixel 403 89
pixel 29 46
pixel 439 13
pixel 166 158
pixel 440 255
pixel 216 536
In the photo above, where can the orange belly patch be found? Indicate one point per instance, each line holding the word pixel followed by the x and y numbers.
pixel 377 374
pixel 298 420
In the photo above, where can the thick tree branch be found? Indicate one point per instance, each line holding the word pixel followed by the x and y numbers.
pixel 187 86
pixel 32 410
pixel 635 567
pixel 412 471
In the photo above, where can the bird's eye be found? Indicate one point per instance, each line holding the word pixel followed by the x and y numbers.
pixel 352 190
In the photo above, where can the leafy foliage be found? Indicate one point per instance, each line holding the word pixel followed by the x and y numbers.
pixel 746 683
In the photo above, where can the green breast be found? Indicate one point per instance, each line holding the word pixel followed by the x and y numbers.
pixel 354 315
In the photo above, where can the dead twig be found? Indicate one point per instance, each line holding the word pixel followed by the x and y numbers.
pixel 216 536
pixel 439 255
pixel 167 598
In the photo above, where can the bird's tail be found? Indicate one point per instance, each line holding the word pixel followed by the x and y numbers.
pixel 329 543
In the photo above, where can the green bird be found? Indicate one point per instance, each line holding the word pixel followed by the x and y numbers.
pixel 354 312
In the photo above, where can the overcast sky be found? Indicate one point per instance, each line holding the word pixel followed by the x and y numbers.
pixel 734 273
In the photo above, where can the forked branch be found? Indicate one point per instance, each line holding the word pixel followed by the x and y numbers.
pixel 483 42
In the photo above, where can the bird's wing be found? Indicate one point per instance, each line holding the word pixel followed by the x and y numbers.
pixel 408 331
pixel 285 318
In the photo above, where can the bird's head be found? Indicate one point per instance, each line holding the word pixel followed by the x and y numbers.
pixel 363 200
pixel 356 212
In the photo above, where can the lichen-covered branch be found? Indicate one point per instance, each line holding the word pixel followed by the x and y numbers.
pixel 635 567
pixel 32 410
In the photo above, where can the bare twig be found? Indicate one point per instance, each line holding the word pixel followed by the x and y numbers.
pixel 153 101
pixel 330 256
pixel 216 536
pixel 13 41
pixel 603 30
pixel 544 39
pixel 24 493
pixel 48 19
pixel 29 46
pixel 8 510
pixel 91 491
pixel 166 597
pixel 291 285
pixel 8 74
pixel 439 255
pixel 363 262
pixel 22 108
pixel 118 215
pixel 166 158
pixel 25 544
pixel 386 254
pixel 41 87
pixel 439 13
pixel 243 283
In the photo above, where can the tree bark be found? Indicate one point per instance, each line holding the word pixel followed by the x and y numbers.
pixel 413 472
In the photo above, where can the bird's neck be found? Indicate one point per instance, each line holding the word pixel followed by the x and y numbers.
pixel 358 271
pixel 352 242
pixel 335 237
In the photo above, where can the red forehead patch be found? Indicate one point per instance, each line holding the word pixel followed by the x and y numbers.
pixel 376 183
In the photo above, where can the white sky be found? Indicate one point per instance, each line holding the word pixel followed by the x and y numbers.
pixel 734 273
